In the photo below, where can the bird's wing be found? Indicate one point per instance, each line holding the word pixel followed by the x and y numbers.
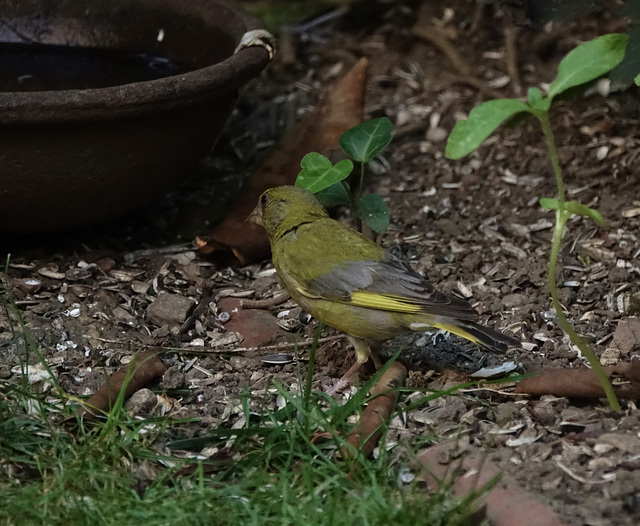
pixel 390 285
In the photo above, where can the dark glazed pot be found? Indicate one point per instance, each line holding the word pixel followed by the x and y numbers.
pixel 74 157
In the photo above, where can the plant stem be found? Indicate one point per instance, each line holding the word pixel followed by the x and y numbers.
pixel 562 215
pixel 543 117
pixel 356 196
pixel 561 221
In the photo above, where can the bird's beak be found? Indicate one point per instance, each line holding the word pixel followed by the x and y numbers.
pixel 255 217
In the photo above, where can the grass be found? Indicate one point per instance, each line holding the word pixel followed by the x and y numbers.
pixel 269 472
pixel 54 473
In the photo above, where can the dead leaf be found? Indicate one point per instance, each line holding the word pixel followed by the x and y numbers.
pixel 317 131
pixel 468 472
pixel 255 326
pixel 583 383
pixel 147 367
pixel 368 430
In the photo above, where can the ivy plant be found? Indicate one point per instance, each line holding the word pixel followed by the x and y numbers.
pixel 327 180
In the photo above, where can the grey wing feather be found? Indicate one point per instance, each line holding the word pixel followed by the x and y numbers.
pixel 392 277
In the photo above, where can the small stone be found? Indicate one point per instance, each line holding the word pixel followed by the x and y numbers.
pixel 609 357
pixel 140 287
pixel 506 412
pixel 125 317
pixel 514 300
pixel 173 378
pixel 169 309
pixel 437 134
pixel 28 285
pixel 141 403
pixel 449 227
pixel 627 334
pixel 5 372
pixel 622 442
pixel 106 264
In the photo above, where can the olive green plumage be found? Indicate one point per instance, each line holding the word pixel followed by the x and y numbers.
pixel 350 283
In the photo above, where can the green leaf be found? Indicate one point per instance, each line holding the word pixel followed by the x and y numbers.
pixel 549 203
pixel 467 135
pixel 637 80
pixel 588 62
pixel 337 194
pixel 573 208
pixel 363 142
pixel 373 211
pixel 319 173
pixel 537 101
pixel 582 210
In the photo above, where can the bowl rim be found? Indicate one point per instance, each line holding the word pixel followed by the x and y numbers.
pixel 143 97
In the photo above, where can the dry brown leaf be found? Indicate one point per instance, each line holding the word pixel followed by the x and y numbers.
pixel 147 367
pixel 369 428
pixel 583 383
pixel 467 472
pixel 317 131
pixel 255 327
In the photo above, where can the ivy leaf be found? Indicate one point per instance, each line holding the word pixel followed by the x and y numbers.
pixel 337 194
pixel 467 135
pixel 364 142
pixel 319 173
pixel 373 211
pixel 588 62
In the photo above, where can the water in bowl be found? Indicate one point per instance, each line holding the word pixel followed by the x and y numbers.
pixel 38 67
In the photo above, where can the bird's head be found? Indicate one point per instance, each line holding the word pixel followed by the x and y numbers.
pixel 284 208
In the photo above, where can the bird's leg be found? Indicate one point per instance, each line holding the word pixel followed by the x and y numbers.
pixel 363 353
pixel 361 347
pixel 375 354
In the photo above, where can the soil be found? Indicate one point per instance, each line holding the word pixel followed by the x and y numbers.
pixel 473 226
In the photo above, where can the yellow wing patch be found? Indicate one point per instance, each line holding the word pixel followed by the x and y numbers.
pixel 306 293
pixel 373 300
pixel 458 331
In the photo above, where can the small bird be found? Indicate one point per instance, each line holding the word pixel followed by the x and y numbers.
pixel 350 283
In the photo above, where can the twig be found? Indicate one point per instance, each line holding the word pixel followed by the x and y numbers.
pixel 200 308
pixel 265 303
pixel 274 347
pixel 221 349
pixel 580 479
pixel 434 35
pixel 475 82
pixel 511 54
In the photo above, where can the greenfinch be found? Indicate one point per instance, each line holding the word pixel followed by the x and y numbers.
pixel 350 283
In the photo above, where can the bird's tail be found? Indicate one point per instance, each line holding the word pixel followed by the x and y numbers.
pixel 487 338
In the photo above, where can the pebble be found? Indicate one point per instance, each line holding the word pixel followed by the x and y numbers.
pixel 627 334
pixel 437 135
pixel 514 300
pixel 171 309
pixel 173 378
pixel 141 403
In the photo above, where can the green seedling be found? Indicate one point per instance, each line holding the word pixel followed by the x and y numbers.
pixel 328 180
pixel 584 64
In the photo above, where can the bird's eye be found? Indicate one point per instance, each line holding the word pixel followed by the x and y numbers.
pixel 264 199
